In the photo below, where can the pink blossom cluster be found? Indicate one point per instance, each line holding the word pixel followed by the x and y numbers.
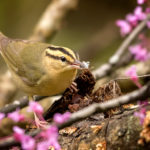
pixel 131 72
pixel 50 138
pixel 132 19
pixel 16 116
pixel 47 138
pixel 139 52
pixel 35 107
pixel 141 1
pixel 61 118
pixel 27 142
pixel 50 135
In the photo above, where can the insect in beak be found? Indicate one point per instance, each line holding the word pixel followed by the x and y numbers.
pixel 79 65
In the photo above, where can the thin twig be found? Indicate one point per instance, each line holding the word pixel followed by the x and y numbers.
pixel 142 94
pixel 10 141
pixel 107 68
pixel 51 19
pixel 18 104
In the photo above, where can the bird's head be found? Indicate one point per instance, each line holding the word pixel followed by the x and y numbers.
pixel 62 59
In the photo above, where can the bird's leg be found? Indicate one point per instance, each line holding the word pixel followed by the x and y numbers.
pixel 40 123
pixel 38 117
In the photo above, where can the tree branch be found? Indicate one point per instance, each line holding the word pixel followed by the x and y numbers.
pixel 51 19
pixel 107 68
pixel 19 104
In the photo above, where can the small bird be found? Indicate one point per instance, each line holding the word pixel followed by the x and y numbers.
pixel 39 68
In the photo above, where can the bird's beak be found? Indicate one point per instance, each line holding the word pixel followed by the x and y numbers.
pixel 78 64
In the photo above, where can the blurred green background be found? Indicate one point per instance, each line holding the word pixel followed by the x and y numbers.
pixel 90 29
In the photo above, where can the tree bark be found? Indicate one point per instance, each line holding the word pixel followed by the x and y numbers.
pixel 119 132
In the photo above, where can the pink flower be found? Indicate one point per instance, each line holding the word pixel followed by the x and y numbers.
pixel 50 138
pixel 16 116
pixel 141 1
pixel 132 19
pixel 125 27
pixel 141 114
pixel 138 12
pixel 18 133
pixel 43 145
pixel 140 53
pixel 27 142
pixel 53 137
pixel 61 118
pixel 131 72
pixel 2 115
pixel 35 107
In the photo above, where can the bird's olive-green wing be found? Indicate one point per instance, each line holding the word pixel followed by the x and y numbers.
pixel 24 59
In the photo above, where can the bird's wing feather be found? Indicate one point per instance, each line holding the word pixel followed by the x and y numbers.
pixel 18 55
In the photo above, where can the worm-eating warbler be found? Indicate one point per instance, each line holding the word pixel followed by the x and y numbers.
pixel 39 68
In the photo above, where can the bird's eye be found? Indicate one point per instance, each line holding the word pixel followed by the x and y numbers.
pixel 63 59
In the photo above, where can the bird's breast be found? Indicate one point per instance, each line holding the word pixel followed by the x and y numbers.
pixel 48 85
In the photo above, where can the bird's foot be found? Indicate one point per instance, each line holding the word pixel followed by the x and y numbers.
pixel 40 123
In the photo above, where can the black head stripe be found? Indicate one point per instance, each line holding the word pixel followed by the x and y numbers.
pixel 62 50
pixel 56 57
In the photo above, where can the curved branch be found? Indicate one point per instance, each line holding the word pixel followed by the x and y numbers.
pixel 19 104
pixel 51 19
pixel 107 68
